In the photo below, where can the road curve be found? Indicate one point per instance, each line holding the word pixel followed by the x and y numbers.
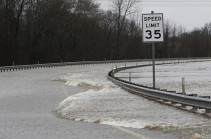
pixel 28 99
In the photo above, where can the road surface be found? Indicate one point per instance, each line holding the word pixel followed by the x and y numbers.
pixel 29 98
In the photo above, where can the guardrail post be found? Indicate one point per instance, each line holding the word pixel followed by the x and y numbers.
pixel 116 66
pixel 195 108
pixel 61 61
pixel 183 86
pixel 13 63
pixel 38 62
pixel 207 111
pixel 130 77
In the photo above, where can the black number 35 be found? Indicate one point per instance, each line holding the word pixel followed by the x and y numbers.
pixel 157 34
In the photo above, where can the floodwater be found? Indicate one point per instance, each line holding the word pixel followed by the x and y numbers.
pixel 105 103
pixel 197 77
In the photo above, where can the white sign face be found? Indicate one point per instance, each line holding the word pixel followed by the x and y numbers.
pixel 152 26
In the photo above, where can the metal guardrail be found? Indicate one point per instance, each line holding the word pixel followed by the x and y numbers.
pixel 190 100
pixel 172 96
pixel 48 65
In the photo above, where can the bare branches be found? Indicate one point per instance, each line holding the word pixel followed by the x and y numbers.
pixel 85 7
pixel 122 8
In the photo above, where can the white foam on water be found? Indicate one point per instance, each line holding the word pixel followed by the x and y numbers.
pixel 105 103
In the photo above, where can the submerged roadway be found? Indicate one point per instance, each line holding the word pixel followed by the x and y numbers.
pixel 28 99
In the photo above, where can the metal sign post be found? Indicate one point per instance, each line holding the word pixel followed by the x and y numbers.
pixel 153 63
pixel 152 27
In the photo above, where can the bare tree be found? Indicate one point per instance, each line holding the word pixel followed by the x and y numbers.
pixel 20 5
pixel 107 24
pixel 122 9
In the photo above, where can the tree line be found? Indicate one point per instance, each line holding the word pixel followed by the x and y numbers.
pixel 46 31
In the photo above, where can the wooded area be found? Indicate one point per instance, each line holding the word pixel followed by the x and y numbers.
pixel 46 31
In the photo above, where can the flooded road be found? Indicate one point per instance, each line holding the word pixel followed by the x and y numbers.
pixel 79 102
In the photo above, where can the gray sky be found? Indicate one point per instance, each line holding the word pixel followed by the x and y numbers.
pixel 188 13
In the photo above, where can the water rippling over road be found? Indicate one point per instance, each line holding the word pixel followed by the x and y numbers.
pixel 105 103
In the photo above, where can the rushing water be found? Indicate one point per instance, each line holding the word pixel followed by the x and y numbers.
pixel 197 77
pixel 105 103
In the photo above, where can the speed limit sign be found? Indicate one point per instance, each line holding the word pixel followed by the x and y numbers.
pixel 152 27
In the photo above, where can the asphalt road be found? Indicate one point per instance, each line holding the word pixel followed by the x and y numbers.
pixel 28 99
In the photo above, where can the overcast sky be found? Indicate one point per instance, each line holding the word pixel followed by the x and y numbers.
pixel 188 13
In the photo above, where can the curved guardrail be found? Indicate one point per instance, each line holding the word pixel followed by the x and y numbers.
pixel 48 65
pixel 185 100
pixel 189 100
